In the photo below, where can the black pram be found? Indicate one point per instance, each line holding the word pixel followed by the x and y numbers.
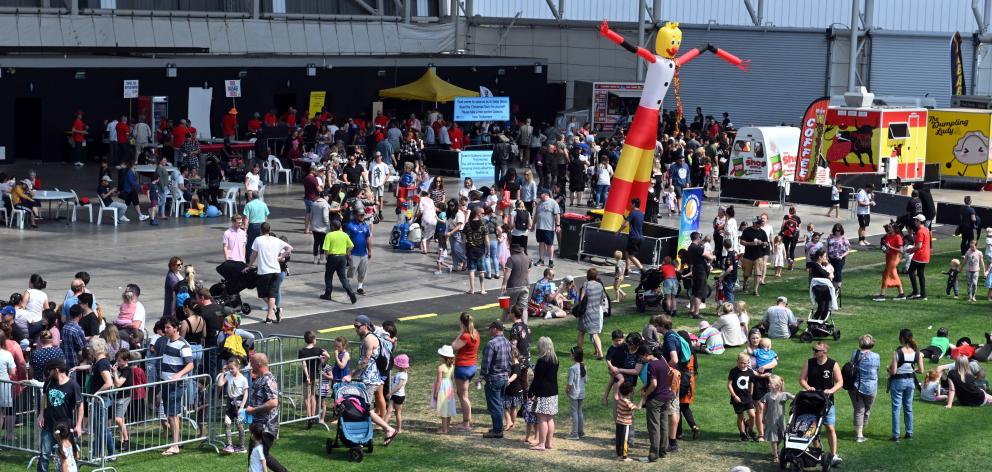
pixel 233 280
pixel 648 292
pixel 819 324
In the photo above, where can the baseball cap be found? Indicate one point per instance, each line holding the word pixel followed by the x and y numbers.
pixel 105 178
pixel 757 219
pixel 362 319
pixel 496 324
pixel 8 310
pixel 920 218
pixel 782 300
pixel 569 279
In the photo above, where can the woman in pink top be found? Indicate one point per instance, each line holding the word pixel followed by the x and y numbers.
pixel 466 347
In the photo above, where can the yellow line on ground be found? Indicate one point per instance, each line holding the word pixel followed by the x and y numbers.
pixel 336 328
pixel 624 285
pixel 417 317
pixel 484 307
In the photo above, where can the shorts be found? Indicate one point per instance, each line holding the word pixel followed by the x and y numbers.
pixel 754 267
pixel 633 246
pixel 673 406
pixel 172 397
pixel 831 418
pixel 378 192
pixel 742 407
pixel 678 192
pixel 863 221
pixel 130 198
pixel 307 206
pixel 545 236
pixel 518 297
pixel 266 285
pixel 397 399
pixel 835 203
pixel 670 287
pixel 475 264
pixel 760 387
pixel 120 406
pixel 699 286
pixel 361 265
pixel 465 372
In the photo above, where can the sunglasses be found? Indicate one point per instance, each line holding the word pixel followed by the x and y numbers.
pixel 819 350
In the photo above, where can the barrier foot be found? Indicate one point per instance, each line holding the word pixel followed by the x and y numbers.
pixel 31 461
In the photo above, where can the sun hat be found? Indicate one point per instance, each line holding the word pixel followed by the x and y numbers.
pixel 106 178
pixel 402 361
pixel 703 325
pixel 446 351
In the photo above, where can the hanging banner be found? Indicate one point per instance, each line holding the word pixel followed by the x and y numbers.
pixel 232 88
pixel 477 165
pixel 958 87
pixel 198 110
pixel 317 99
pixel 482 108
pixel 809 139
pixel 130 89
pixel 692 207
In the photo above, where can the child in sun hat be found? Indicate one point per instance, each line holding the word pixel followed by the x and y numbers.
pixel 443 393
pixel 397 390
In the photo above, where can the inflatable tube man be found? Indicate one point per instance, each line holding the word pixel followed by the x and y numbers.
pixel 633 174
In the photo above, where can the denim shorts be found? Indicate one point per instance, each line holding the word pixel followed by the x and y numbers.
pixel 831 418
pixel 172 397
pixel 670 287
pixel 307 205
pixel 465 372
pixel 475 263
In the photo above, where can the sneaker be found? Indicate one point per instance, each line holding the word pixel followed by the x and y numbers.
pixel 836 461
pixel 901 296
pixel 551 264
pixel 153 223
pixel 913 296
pixel 672 448
pixel 78 164
pixel 634 271
pixel 278 315
pixel 908 436
pixel 879 298
pixel 240 450
pixel 361 291
pixel 353 298
pixel 124 219
pixel 744 437
pixel 548 316
pixel 229 449
pixel 540 262
pixel 574 436
pixel 493 435
pixel 861 439
pixel 143 217
pixel 325 296
pixel 438 272
pixel 125 445
pixel 753 436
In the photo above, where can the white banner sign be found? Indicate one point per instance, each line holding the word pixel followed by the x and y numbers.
pixel 232 88
pixel 130 89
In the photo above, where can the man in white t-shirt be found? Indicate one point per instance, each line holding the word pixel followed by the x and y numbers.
pixel 112 140
pixel 379 173
pixel 268 251
pixel 866 200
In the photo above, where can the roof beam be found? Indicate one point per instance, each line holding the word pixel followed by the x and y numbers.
pixel 365 6
pixel 554 10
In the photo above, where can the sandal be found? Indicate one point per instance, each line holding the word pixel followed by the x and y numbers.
pixel 537 448
pixel 171 451
pixel 389 438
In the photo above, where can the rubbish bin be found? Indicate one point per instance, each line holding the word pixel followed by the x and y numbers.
pixel 571 235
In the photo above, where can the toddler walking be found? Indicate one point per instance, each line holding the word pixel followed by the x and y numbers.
pixel 740 383
pixel 624 414
pixel 775 406
pixel 952 277
pixel 576 389
pixel 974 262
pixel 235 386
pixel 397 390
pixel 619 269
pixel 778 255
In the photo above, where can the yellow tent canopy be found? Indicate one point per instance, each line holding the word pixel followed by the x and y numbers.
pixel 429 88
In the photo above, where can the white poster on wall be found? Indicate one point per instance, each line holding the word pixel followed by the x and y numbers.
pixel 130 89
pixel 199 110
pixel 232 88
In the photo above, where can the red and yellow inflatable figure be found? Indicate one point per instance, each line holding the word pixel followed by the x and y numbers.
pixel 633 173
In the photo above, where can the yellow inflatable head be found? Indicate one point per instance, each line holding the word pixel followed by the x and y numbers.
pixel 669 39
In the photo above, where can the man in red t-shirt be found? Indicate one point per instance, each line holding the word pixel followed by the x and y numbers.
pixel 79 132
pixel 254 124
pixel 270 118
pixel 456 136
pixel 229 125
pixel 380 119
pixel 920 258
pixel 290 117
pixel 124 139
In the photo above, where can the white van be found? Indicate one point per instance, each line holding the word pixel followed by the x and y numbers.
pixel 765 153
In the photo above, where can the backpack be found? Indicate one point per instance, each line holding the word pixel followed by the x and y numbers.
pixel 384 361
pixel 685 350
pixel 520 221
pixel 789 228
pixel 849 372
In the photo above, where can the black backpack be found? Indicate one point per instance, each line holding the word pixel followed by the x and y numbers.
pixel 849 372
pixel 521 220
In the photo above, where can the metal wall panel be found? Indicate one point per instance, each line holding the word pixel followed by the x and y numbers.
pixel 236 36
pixel 28 30
pixel 916 66
pixel 390 37
pixel 377 38
pixel 258 36
pixel 124 29
pixel 217 29
pixel 53 31
pixel 200 32
pixel 181 34
pixel 143 34
pixel 311 31
pixel 8 30
pixel 281 43
pixel 360 31
pixel 346 39
pixel 329 38
pixel 103 26
pixel 162 31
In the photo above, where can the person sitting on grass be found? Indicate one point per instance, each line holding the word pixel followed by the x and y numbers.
pixel 939 345
pixel 964 387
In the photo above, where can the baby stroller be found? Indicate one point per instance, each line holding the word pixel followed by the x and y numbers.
pixel 819 324
pixel 802 447
pixel 351 405
pixel 648 291
pixel 227 292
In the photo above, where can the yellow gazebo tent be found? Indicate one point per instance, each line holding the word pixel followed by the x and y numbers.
pixel 429 88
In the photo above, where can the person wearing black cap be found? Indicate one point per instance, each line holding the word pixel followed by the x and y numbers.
pixel 755 242
pixel 62 402
pixel 495 372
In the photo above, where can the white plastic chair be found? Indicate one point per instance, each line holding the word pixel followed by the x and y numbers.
pixel 103 208
pixel 177 202
pixel 75 205
pixel 19 215
pixel 231 200
pixel 268 166
pixel 277 167
pixel 261 192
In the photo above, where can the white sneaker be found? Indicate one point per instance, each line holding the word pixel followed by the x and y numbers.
pixel 702 306
pixel 548 316
pixel 836 460
pixel 143 217
pixel 78 164
pixel 124 219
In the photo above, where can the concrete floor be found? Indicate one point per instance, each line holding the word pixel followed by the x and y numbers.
pixel 139 253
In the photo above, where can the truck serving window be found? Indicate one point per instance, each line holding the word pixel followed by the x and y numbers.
pixel 898 130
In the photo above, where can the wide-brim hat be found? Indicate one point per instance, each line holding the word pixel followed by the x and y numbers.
pixel 446 351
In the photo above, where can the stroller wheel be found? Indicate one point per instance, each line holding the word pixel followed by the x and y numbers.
pixel 825 461
pixel 329 446
pixel 784 460
pixel 796 465
pixel 355 454
pixel 806 337
pixel 245 308
pixel 641 305
pixel 369 448
pixel 836 334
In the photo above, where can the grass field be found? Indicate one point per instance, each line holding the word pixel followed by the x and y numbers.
pixel 942 437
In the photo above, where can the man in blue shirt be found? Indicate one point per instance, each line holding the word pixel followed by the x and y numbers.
pixel 679 172
pixel 634 221
pixel 361 235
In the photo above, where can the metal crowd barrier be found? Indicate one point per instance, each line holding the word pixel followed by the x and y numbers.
pixel 298 399
pixel 21 433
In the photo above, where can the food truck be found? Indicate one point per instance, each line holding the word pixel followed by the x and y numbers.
pixel 873 139
pixel 765 153
pixel 958 140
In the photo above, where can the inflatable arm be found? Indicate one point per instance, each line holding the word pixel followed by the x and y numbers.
pixel 604 29
pixel 722 54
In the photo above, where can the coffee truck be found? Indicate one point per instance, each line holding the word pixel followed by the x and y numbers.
pixel 765 153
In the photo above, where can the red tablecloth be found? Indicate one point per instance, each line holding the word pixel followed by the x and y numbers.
pixel 218 147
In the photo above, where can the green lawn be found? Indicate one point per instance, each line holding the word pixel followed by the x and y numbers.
pixel 942 436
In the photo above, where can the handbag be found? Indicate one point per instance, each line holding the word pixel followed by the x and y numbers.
pixel 504 200
pixel 579 308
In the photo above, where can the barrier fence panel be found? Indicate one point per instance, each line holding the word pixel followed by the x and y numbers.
pixel 292 344
pixel 271 347
pixel 299 382
pixel 137 417
pixel 19 423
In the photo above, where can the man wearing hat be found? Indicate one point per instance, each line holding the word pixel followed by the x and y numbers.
pixel 379 172
pixel 62 402
pixel 360 233
pixel 495 372
pixel 919 260
pixel 229 124
pixel 367 371
pixel 515 281
pixel 755 242
pixel 779 322
pixel 107 194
